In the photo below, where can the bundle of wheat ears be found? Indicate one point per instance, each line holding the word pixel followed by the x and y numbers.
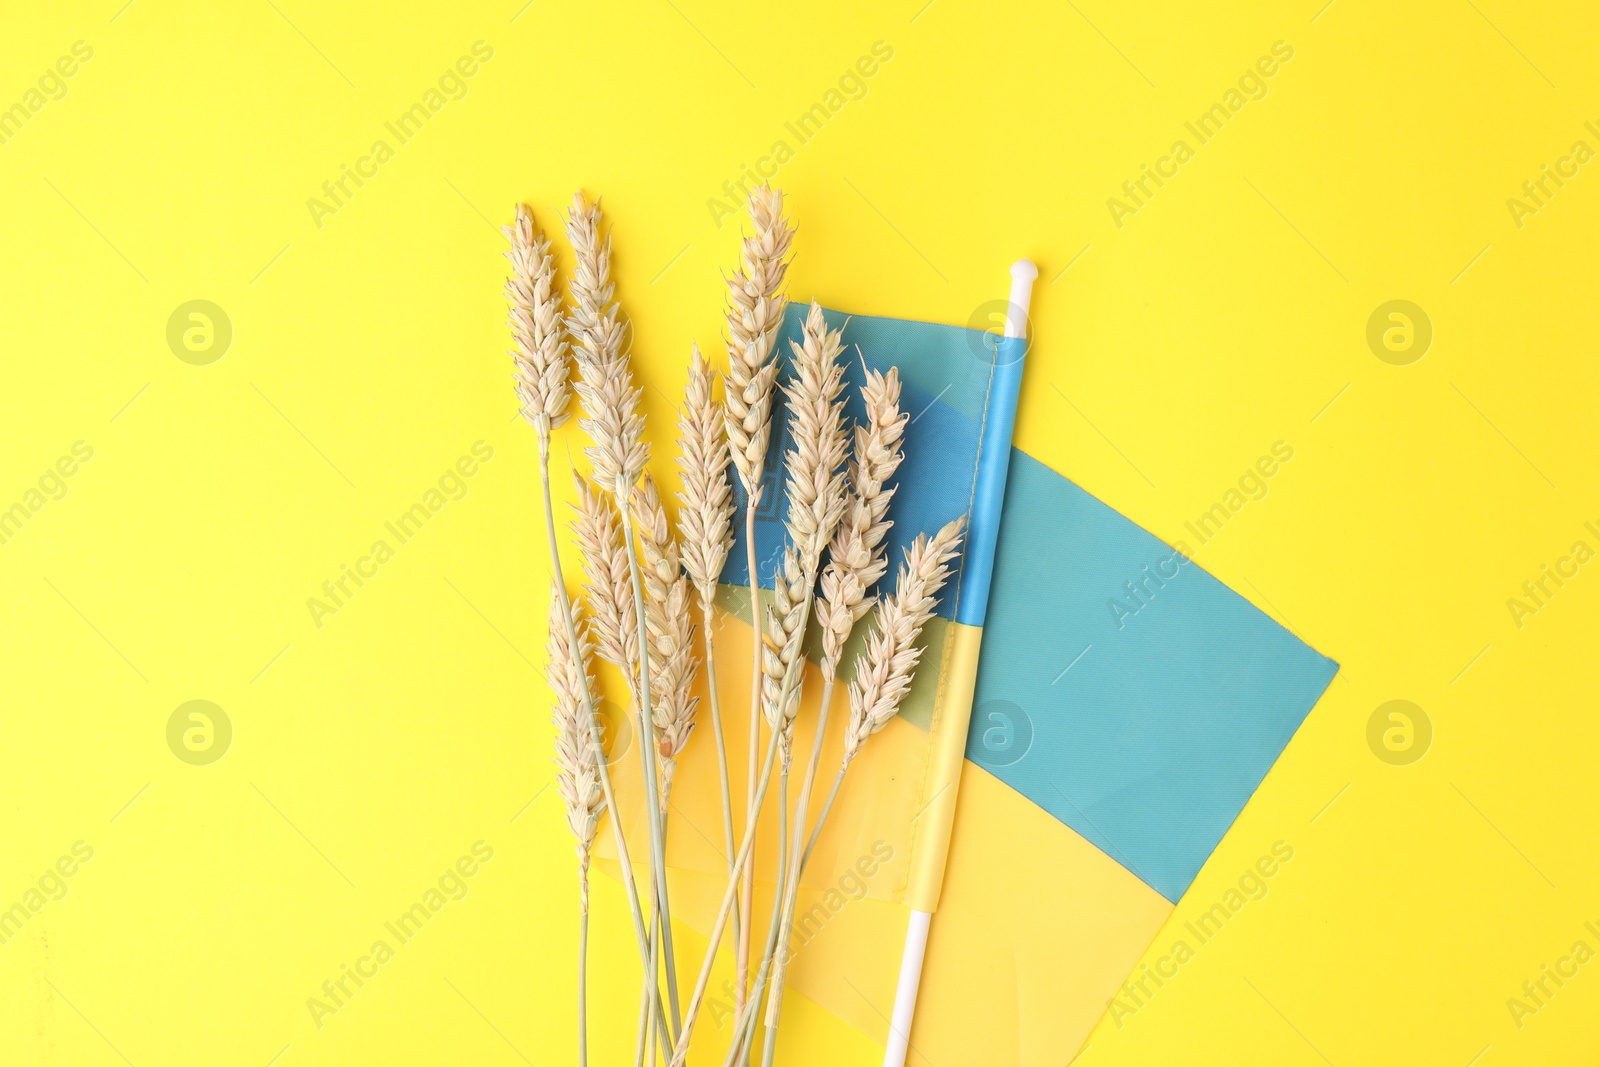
pixel 644 579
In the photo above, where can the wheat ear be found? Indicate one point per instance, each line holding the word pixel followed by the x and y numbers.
pixel 705 534
pixel 577 771
pixel 618 454
pixel 887 666
pixel 815 490
pixel 705 520
pixel 884 676
pixel 541 358
pixel 780 697
pixel 612 628
pixel 755 310
pixel 670 624
pixel 855 557
pixel 577 777
pixel 543 378
pixel 599 337
pixel 815 474
pixel 784 667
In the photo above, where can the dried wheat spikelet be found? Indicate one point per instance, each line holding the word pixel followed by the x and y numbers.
pixel 705 519
pixel 599 345
pixel 671 630
pixel 781 649
pixel 755 310
pixel 658 550
pixel 612 626
pixel 815 491
pixel 577 775
pixel 855 556
pixel 541 358
pixel 594 321
pixel 885 670
pixel 814 467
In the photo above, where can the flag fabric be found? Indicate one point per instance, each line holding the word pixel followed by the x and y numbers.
pixel 1124 708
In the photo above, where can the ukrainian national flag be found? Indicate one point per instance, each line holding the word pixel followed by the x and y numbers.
pixel 1123 709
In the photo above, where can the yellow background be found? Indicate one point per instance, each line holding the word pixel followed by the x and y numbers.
pixel 368 354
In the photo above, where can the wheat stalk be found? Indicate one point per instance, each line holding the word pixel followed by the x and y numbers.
pixel 671 632
pixel 884 675
pixel 705 534
pixel 543 369
pixel 815 491
pixel 577 776
pixel 855 562
pixel 899 627
pixel 815 496
pixel 670 628
pixel 755 310
pixel 680 1050
pixel 618 455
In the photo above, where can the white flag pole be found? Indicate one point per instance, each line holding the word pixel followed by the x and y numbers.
pixel 1023 273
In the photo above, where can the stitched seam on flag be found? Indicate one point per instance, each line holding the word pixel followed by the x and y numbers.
pixel 928 758
pixel 972 497
pixel 949 643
